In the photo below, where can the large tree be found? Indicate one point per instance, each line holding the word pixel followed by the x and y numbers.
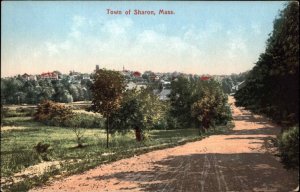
pixel 211 108
pixel 272 87
pixel 140 110
pixel 107 90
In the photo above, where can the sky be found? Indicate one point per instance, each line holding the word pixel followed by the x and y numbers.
pixel 199 38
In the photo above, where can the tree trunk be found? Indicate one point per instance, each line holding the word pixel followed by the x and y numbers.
pixel 107 134
pixel 138 135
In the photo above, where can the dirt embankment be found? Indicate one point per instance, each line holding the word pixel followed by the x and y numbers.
pixel 239 161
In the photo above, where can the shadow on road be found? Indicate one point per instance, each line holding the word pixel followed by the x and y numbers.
pixel 219 172
pixel 264 130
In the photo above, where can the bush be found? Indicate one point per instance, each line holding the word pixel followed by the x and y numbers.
pixel 84 121
pixel 289 147
pixel 52 113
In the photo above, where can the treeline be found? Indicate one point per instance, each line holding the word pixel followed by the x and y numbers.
pixel 17 90
pixel 192 103
pixel 272 86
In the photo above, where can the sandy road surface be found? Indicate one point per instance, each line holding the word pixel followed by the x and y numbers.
pixel 238 161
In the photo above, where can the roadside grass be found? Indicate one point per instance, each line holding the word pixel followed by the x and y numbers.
pixel 17 149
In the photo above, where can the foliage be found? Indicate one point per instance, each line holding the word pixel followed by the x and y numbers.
pixel 212 107
pixel 181 100
pixel 17 90
pixel 197 103
pixel 139 109
pixel 75 123
pixel 272 87
pixel 85 121
pixel 289 147
pixel 107 91
pixel 52 113
pixel 42 149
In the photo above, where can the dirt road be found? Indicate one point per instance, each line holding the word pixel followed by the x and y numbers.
pixel 238 161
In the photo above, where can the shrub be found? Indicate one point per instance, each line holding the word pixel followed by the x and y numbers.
pixel 42 149
pixel 289 147
pixel 84 121
pixel 52 113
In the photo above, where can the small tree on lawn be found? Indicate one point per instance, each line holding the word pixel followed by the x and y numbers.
pixel 75 123
pixel 107 91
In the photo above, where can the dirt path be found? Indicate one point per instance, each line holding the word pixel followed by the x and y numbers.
pixel 238 161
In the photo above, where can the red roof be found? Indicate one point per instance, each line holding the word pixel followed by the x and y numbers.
pixel 49 74
pixel 204 78
pixel 136 74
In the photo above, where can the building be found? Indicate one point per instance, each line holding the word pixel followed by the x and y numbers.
pixel 86 76
pixel 238 86
pixel 204 77
pixel 25 76
pixel 132 85
pixel 49 75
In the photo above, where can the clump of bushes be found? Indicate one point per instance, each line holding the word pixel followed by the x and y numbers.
pixel 288 144
pixel 56 114
pixel 52 113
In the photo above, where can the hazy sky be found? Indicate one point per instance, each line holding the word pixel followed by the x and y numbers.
pixel 200 38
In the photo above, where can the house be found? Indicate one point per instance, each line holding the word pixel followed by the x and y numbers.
pixel 25 76
pixel 132 85
pixel 204 78
pixel 238 86
pixel 49 75
pixel 162 95
pixel 32 77
pixel 86 76
pixel 165 84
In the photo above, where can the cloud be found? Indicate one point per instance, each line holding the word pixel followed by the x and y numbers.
pixel 52 48
pixel 236 47
pixel 117 26
pixel 256 28
pixel 117 42
pixel 78 22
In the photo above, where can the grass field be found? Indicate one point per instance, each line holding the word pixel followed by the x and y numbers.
pixel 18 154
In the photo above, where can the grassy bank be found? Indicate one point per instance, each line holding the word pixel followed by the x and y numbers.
pixel 18 140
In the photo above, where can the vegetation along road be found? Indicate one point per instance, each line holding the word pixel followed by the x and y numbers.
pixel 242 160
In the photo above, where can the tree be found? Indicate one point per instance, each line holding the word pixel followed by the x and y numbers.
pixel 272 86
pixel 140 110
pixel 107 91
pixel 75 122
pixel 211 108
pixel 181 99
